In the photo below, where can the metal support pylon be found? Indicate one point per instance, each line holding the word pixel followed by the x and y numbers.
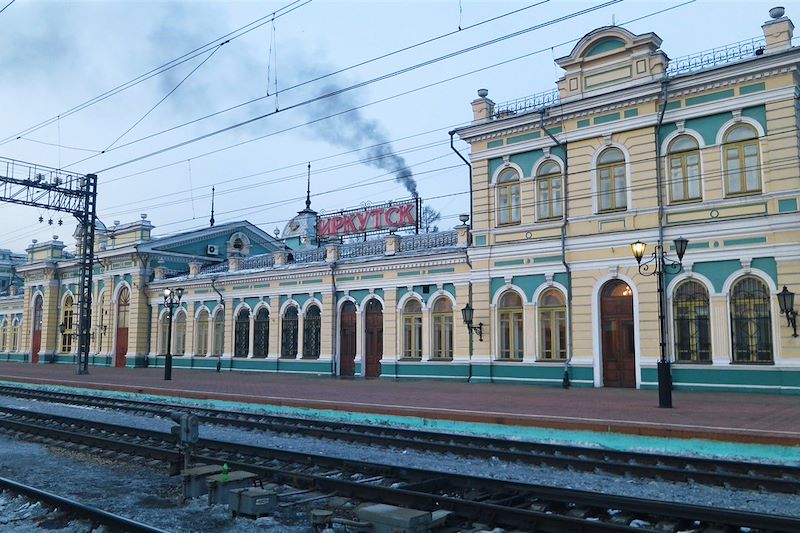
pixel 87 217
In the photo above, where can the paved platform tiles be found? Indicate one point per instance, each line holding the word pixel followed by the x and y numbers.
pixel 757 425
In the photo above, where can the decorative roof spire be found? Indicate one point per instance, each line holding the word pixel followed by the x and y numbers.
pixel 212 207
pixel 308 189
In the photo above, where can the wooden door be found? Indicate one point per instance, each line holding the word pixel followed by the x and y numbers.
pixel 347 340
pixel 36 341
pixel 616 322
pixel 123 312
pixel 373 339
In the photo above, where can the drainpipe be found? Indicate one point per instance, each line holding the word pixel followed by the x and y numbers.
pixel 451 133
pixel 565 380
pixel 472 222
pixel 333 321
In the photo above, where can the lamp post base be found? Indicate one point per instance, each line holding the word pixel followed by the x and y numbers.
pixel 664 385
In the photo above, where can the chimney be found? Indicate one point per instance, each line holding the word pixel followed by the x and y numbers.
pixel 778 32
pixel 482 107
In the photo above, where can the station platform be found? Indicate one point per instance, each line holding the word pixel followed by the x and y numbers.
pixel 760 419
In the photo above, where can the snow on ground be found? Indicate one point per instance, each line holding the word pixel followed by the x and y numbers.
pixel 150 495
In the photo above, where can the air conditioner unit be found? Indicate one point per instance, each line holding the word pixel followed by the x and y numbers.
pixel 212 249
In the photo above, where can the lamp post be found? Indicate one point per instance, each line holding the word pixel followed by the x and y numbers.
pixel 786 303
pixel 657 265
pixel 466 315
pixel 172 298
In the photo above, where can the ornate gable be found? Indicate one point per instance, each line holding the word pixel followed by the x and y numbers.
pixel 610 58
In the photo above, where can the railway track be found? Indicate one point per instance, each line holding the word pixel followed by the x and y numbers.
pixel 66 507
pixel 498 503
pixel 715 472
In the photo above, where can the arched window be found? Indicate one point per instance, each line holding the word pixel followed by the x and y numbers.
pixel 552 325
pixel 218 346
pixel 443 328
pixel 241 336
pixel 611 183
pixel 201 335
pixel 261 333
pixel 548 191
pixel 751 321
pixel 742 166
pixel 180 333
pixel 510 326
pixel 15 327
pixel 311 332
pixel 508 198
pixel 68 321
pixel 683 161
pixel 691 316
pixel 163 328
pixel 4 335
pixel 412 328
pixel 289 332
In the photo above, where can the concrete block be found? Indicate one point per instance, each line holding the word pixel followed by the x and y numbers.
pixel 220 484
pixel 390 519
pixel 252 502
pixel 194 479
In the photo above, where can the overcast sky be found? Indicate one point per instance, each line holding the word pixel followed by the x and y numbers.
pixel 55 55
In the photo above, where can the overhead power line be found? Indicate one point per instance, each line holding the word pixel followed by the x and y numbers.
pixel 363 84
pixel 235 34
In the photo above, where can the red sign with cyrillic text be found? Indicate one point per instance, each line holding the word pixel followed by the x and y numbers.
pixel 370 219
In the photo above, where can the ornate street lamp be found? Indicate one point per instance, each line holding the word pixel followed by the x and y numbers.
pixel 172 298
pixel 466 315
pixel 657 265
pixel 786 303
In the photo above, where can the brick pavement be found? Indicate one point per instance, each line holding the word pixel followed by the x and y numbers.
pixel 735 417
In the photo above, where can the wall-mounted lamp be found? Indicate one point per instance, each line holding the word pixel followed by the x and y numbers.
pixel 466 314
pixel 786 303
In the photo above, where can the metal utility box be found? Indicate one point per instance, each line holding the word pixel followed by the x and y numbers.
pixel 252 502
pixel 194 479
pixel 220 484
pixel 390 519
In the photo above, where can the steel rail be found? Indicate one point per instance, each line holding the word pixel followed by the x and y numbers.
pixel 746 475
pixel 426 489
pixel 95 514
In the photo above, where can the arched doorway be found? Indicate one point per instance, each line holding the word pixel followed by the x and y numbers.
pixel 616 322
pixel 36 341
pixel 347 340
pixel 373 339
pixel 123 314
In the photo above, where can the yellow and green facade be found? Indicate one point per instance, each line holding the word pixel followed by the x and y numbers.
pixel 631 146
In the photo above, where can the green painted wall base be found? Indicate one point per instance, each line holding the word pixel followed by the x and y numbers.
pixel 293 366
pixel 484 372
pixel 740 379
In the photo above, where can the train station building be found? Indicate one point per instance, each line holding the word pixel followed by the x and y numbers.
pixel 698 158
